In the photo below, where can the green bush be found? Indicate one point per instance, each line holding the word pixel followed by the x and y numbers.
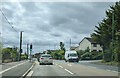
pixel 98 56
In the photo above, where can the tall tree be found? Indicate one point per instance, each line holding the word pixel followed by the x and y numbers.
pixel 62 46
pixel 107 33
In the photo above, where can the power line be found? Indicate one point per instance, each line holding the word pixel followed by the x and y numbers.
pixel 7 20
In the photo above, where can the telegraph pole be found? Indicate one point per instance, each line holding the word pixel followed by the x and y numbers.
pixel 20 44
pixel 70 43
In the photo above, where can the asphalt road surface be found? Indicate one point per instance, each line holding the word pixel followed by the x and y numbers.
pixel 60 68
pixel 15 68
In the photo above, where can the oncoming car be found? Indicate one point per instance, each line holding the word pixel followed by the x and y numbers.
pixel 46 59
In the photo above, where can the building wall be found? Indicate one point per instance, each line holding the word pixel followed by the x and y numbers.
pixel 96 48
pixel 84 44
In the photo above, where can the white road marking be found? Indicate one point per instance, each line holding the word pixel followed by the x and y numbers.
pixel 11 68
pixel 60 66
pixel 30 74
pixel 69 65
pixel 69 71
pixel 28 70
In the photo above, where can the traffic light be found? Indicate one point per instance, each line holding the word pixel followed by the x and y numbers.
pixel 31 47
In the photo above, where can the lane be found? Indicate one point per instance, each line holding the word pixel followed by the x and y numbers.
pixel 91 63
pixel 50 70
pixel 83 70
pixel 8 65
pixel 19 70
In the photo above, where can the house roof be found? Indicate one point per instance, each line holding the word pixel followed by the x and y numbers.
pixel 89 39
pixel 73 48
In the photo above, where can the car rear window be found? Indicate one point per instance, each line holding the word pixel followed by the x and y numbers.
pixel 46 56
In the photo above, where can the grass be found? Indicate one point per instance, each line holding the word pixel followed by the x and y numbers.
pixel 112 63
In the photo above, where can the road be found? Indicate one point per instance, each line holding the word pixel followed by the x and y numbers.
pixel 62 69
pixel 15 69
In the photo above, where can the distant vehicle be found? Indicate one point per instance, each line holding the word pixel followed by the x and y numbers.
pixel 46 59
pixel 71 56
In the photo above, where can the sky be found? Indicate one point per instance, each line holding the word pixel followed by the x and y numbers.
pixel 46 24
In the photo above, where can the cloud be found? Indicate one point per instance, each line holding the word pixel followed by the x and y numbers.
pixel 45 24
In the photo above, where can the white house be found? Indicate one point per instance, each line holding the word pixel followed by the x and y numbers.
pixel 89 42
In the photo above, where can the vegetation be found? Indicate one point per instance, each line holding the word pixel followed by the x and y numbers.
pixel 107 33
pixel 10 53
pixel 87 55
pixel 59 54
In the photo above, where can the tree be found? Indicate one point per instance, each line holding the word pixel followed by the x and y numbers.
pixel 62 46
pixel 107 33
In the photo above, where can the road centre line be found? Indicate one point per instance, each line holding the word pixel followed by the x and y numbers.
pixel 69 71
pixel 28 70
pixel 11 67
pixel 30 74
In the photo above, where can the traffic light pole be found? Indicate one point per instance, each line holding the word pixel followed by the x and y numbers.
pixel 30 52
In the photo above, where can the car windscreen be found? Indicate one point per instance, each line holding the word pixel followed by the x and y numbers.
pixel 74 55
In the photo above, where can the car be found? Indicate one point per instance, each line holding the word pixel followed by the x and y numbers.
pixel 46 59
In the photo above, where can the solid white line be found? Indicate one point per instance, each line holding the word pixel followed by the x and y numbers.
pixel 11 68
pixel 28 70
pixel 68 71
pixel 30 74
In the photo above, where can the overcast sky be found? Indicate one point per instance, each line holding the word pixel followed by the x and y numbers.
pixel 45 24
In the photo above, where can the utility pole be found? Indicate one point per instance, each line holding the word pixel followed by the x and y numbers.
pixel 112 58
pixel 70 43
pixel 27 51
pixel 20 45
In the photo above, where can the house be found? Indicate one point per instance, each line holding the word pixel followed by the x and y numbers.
pixel 89 42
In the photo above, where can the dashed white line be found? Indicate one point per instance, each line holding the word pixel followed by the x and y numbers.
pixel 69 65
pixel 11 68
pixel 60 66
pixel 69 71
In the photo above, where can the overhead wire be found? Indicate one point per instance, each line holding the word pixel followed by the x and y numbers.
pixel 7 20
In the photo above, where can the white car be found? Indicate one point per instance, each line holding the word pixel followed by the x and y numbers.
pixel 46 59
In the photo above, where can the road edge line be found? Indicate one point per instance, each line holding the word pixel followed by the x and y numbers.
pixel 12 67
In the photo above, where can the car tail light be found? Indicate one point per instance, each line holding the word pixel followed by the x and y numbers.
pixel 50 58
pixel 41 58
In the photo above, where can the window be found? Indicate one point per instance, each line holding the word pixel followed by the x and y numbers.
pixel 100 50
pixel 94 45
pixel 94 50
